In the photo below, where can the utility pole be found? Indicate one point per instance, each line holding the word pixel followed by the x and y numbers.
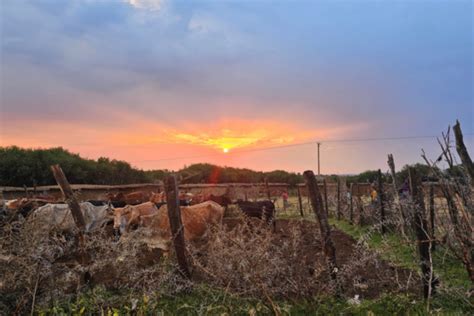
pixel 319 165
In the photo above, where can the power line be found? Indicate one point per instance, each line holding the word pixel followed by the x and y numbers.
pixel 347 140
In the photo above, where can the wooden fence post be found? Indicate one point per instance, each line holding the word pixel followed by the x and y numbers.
pixel 300 202
pixel 421 229
pixel 462 151
pixel 267 188
pixel 325 229
pixel 432 218
pixel 176 225
pixel 381 205
pixel 351 209
pixel 325 188
pixel 338 207
pixel 391 165
pixel 69 198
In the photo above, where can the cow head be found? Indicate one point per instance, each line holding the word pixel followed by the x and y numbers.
pixel 157 197
pixel 121 218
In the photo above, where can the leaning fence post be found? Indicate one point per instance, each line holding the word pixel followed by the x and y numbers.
pixel 73 206
pixel 300 202
pixel 381 205
pixel 462 152
pixel 176 225
pixel 69 197
pixel 421 230
pixel 325 229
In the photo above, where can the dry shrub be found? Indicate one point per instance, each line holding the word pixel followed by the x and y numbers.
pixel 251 260
pixel 43 266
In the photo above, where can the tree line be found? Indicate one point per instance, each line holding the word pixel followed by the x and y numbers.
pixel 30 167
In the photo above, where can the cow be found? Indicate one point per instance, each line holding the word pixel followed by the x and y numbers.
pixel 59 217
pixel 98 202
pixel 24 206
pixel 117 200
pixel 195 219
pixel 159 199
pixel 138 197
pixel 222 200
pixel 261 209
pixel 134 198
pixel 129 215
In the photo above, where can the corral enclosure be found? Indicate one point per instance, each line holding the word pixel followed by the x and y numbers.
pixel 234 191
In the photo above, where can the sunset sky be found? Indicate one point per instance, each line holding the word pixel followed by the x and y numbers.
pixel 163 83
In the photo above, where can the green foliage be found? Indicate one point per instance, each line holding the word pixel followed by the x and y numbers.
pixel 30 167
pixel 369 176
pixel 207 173
pixel 422 169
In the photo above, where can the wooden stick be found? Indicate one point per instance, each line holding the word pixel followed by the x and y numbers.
pixel 325 229
pixel 351 210
pixel 69 197
pixel 267 188
pixel 432 216
pixel 381 205
pixel 462 151
pixel 325 188
pixel 338 207
pixel 300 202
pixel 391 165
pixel 421 229
pixel 176 225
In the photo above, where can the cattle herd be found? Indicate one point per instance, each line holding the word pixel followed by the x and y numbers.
pixel 130 212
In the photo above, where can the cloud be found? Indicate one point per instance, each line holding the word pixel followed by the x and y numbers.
pixel 152 5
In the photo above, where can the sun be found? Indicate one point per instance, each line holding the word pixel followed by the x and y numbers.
pixel 225 150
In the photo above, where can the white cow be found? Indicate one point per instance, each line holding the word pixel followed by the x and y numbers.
pixel 59 216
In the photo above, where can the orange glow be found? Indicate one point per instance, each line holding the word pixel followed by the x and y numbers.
pixel 149 144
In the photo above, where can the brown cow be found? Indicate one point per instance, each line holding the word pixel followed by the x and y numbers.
pixel 196 219
pixel 158 197
pixel 129 215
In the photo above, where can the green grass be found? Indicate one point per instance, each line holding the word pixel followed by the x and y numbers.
pixel 205 301
pixel 392 247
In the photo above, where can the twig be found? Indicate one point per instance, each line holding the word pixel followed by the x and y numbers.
pixel 34 294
